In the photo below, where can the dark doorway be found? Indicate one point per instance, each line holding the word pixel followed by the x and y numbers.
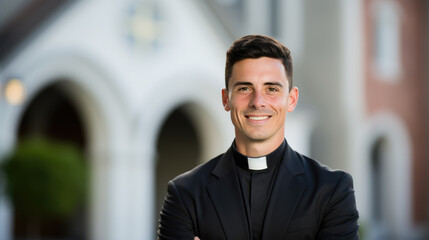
pixel 178 150
pixel 379 186
pixel 52 115
pixel 377 154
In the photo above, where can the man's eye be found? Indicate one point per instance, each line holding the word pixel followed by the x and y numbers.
pixel 272 89
pixel 242 89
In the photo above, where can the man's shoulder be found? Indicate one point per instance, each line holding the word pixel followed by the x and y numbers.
pixel 198 175
pixel 318 172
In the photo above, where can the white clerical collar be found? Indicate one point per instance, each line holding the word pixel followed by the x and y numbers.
pixel 259 163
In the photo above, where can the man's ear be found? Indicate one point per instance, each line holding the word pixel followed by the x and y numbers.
pixel 292 99
pixel 225 100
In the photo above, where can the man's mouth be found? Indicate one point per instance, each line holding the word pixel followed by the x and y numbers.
pixel 257 118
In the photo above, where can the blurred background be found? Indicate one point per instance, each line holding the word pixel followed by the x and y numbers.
pixel 134 88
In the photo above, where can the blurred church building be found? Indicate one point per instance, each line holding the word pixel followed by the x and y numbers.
pixel 136 86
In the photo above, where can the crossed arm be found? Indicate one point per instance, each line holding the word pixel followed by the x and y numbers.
pixel 340 217
pixel 175 222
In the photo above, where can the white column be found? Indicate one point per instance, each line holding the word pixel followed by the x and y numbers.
pixel 119 192
pixel 291 20
pixel 257 16
pixel 99 209
pixel 7 140
pixel 352 96
pixel 123 208
pixel 5 217
pixel 142 180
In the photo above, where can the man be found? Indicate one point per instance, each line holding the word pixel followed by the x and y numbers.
pixel 260 188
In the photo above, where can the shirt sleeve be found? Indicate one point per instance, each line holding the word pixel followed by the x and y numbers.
pixel 341 215
pixel 175 222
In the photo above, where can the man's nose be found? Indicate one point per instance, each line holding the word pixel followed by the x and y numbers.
pixel 257 100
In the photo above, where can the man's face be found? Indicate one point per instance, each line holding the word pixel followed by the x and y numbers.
pixel 258 99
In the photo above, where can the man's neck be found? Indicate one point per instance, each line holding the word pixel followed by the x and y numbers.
pixel 257 148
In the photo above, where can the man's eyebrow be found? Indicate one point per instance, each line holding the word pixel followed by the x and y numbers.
pixel 273 83
pixel 242 83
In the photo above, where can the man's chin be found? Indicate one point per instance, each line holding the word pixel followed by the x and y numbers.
pixel 257 138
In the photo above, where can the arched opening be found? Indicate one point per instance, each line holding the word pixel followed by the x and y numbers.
pixel 52 115
pixel 378 153
pixel 178 150
pixel 380 185
pixel 386 179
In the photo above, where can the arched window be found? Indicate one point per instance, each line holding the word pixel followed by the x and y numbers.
pixel 386 40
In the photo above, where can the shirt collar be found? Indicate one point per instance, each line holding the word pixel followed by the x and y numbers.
pixel 271 159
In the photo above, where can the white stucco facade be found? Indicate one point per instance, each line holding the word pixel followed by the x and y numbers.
pixel 123 96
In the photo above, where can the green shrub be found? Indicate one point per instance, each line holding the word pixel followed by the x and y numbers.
pixel 45 178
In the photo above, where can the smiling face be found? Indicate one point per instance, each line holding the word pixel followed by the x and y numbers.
pixel 258 99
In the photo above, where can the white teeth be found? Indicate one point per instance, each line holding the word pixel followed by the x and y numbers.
pixel 258 118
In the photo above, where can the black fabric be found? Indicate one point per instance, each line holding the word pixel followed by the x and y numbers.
pixel 256 186
pixel 308 201
pixel 259 195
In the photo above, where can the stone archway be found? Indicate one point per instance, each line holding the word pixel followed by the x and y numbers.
pixel 52 115
pixel 105 118
pixel 198 104
pixel 388 169
pixel 178 150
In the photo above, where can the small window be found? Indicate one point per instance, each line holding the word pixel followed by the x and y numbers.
pixel 387 51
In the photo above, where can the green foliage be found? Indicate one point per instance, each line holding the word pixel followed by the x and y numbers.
pixel 362 228
pixel 44 178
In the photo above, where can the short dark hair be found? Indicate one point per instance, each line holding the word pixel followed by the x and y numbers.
pixel 257 46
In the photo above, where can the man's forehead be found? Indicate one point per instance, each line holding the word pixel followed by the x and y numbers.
pixel 254 70
pixel 264 65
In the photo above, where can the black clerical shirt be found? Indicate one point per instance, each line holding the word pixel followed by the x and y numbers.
pixel 256 187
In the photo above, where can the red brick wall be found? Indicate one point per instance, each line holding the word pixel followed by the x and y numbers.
pixel 406 98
